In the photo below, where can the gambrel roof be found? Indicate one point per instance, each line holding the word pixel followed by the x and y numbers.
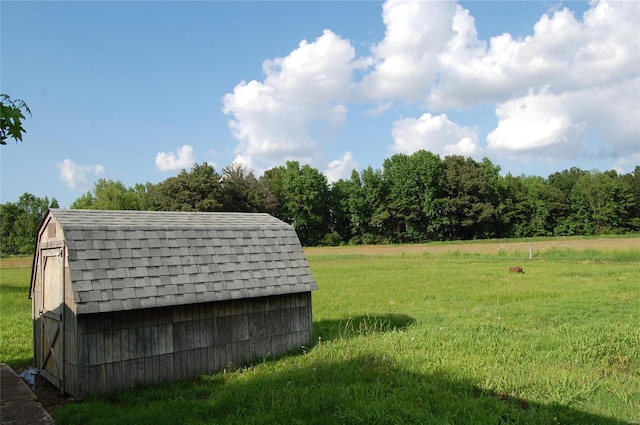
pixel 124 260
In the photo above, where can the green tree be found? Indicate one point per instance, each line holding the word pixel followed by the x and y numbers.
pixel 472 198
pixel 537 212
pixel 9 214
pixel 362 201
pixel 564 218
pixel 195 190
pixel 272 183
pixel 19 223
pixel 113 195
pixel 513 210
pixel 370 207
pixel 241 190
pixel 415 193
pixel 600 202
pixel 302 196
pixel 631 182
pixel 11 116
pixel 345 221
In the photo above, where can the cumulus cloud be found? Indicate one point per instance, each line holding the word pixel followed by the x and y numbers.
pixel 249 164
pixel 436 134
pixel 406 60
pixel 562 54
pixel 563 126
pixel 341 168
pixel 77 176
pixel 628 163
pixel 571 81
pixel 297 105
pixel 612 112
pixel 182 159
pixel 536 121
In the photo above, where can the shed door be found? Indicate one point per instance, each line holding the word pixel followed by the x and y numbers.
pixel 52 273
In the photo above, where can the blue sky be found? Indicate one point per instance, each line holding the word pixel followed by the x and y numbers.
pixel 137 91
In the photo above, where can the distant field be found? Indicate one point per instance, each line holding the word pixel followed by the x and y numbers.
pixel 488 246
pixel 16 262
pixel 419 334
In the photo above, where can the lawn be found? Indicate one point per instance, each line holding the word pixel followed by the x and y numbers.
pixel 16 343
pixel 429 334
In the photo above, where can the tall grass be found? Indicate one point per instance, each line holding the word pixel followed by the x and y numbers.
pixel 452 338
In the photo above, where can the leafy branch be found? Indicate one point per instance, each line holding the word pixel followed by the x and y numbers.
pixel 11 116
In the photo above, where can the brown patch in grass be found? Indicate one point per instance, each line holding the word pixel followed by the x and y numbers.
pixel 16 262
pixel 514 399
pixel 481 247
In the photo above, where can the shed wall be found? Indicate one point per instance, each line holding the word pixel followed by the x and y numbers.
pixel 121 350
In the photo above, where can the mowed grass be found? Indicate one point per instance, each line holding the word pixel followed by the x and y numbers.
pixel 423 338
pixel 16 341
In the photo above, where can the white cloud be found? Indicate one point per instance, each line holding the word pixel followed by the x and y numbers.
pixel 248 164
pixel 436 134
pixel 77 176
pixel 545 125
pixel 570 88
pixel 314 73
pixel 406 60
pixel 297 105
pixel 530 123
pixel 169 161
pixel 628 163
pixel 562 54
pixel 341 168
pixel 572 81
pixel 612 112
pixel 378 109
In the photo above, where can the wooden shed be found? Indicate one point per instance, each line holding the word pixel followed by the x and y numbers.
pixel 123 298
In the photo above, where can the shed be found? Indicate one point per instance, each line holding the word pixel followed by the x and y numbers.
pixel 124 298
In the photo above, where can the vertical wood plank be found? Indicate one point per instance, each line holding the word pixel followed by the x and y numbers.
pixel 142 370
pixel 116 376
pixel 131 366
pixel 116 353
pixel 100 378
pixel 99 348
pixel 169 337
pixel 170 363
pixel 91 348
pixel 179 365
pixel 124 344
pixel 162 368
pixel 108 378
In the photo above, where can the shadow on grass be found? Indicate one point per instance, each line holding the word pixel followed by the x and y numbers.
pixel 362 389
pixel 9 289
pixel 20 363
pixel 328 330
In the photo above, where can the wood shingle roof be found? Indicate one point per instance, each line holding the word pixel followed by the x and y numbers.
pixel 124 260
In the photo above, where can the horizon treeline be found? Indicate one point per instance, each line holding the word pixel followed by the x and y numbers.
pixel 411 199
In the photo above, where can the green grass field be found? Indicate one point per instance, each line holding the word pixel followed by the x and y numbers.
pixel 16 343
pixel 417 337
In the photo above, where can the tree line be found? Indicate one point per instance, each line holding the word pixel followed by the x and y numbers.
pixel 412 198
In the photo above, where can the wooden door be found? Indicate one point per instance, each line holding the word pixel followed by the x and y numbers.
pixel 51 315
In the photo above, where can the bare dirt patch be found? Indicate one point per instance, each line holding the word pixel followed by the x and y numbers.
pixel 49 396
pixel 483 247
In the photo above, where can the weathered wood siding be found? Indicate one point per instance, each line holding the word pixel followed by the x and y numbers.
pixel 121 350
